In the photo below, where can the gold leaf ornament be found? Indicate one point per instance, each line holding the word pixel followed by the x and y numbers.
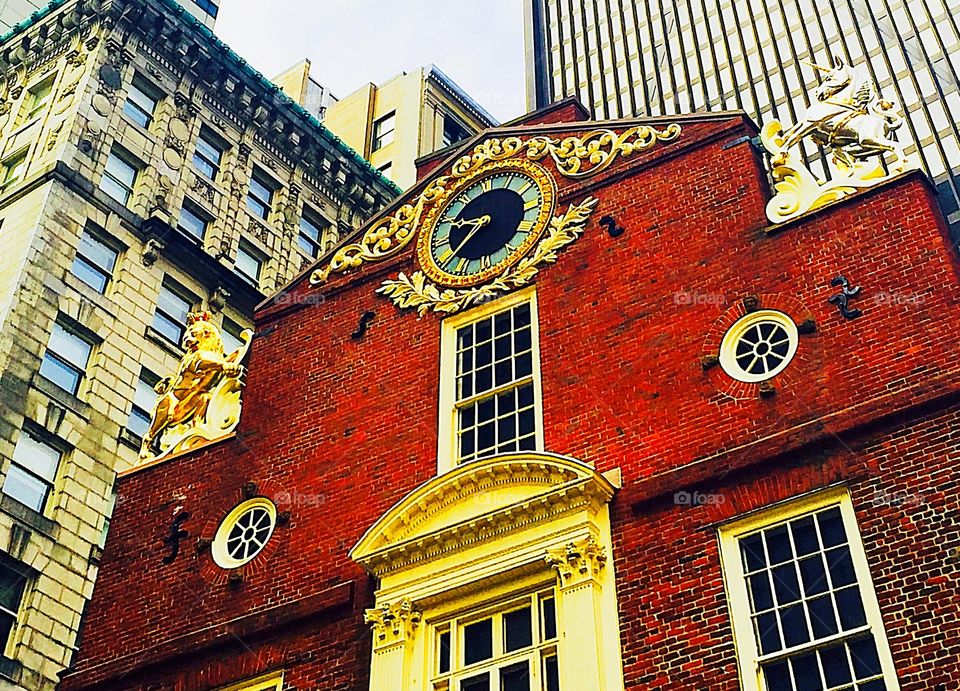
pixel 416 292
pixel 576 157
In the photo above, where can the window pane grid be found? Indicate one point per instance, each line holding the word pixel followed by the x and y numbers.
pixel 495 401
pixel 507 650
pixel 806 606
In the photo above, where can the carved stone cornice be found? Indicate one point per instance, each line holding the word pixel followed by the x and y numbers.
pixel 393 624
pixel 510 494
pixel 578 562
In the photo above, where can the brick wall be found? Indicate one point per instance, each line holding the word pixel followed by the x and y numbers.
pixel 338 429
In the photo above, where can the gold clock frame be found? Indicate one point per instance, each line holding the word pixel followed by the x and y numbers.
pixel 547 187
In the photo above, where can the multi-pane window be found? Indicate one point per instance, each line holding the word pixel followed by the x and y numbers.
pixel 495 388
pixel 119 178
pixel 12 168
pixel 260 195
pixel 140 105
pixel 248 263
pixel 192 221
pixel 94 262
pixel 65 360
pixel 14 577
pixel 231 331
pixel 207 155
pixel 170 317
pixel 144 398
pixel 383 130
pixel 38 97
pixel 511 649
pixel 802 596
pixel 32 473
pixel 310 238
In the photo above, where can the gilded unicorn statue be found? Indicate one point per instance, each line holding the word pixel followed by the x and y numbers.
pixel 852 121
pixel 201 401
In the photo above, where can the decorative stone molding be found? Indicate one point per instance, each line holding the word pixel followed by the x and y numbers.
pixel 218 298
pixel 510 493
pixel 393 623
pixel 151 251
pixel 577 562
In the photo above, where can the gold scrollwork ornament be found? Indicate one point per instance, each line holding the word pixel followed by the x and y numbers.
pixel 576 157
pixel 417 292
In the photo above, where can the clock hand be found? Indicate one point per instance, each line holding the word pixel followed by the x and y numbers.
pixel 477 224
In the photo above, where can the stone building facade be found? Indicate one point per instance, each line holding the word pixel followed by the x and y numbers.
pixel 145 171
pixel 661 444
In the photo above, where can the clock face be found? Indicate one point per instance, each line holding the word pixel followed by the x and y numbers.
pixel 487 224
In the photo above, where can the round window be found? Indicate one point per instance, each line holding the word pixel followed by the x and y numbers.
pixel 244 533
pixel 758 346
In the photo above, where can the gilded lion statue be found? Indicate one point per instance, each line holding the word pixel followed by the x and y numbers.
pixel 201 401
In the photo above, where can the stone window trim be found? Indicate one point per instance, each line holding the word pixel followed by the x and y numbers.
pixel 194 218
pixel 261 194
pixel 141 103
pixel 164 321
pixel 35 435
pixel 13 167
pixel 737 588
pixel 70 350
pixel 208 154
pixel 38 97
pixel 16 579
pixel 120 175
pixel 448 442
pixel 486 533
pixel 96 258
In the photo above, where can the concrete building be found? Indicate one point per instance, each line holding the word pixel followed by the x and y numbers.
pixel 411 115
pixel 146 172
pixel 573 415
pixel 660 57
pixel 13 12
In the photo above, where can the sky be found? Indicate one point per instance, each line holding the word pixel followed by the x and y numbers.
pixel 351 42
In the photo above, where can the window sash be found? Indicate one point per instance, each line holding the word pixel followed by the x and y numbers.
pixel 259 198
pixel 534 655
pixel 170 315
pixel 739 540
pixel 94 262
pixel 192 222
pixel 248 264
pixel 32 472
pixel 139 106
pixel 310 237
pixel 66 358
pixel 207 157
pixel 39 97
pixel 118 179
pixel 383 130
pixel 13 167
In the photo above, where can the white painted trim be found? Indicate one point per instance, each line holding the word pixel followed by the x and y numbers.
pixel 735 583
pixel 731 338
pixel 267 682
pixel 447 432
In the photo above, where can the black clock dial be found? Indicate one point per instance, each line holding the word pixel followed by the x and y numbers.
pixel 485 224
pixel 504 207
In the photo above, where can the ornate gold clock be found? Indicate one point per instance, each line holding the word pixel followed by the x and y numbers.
pixel 487 222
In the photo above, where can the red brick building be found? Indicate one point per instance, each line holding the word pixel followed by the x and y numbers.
pixel 628 443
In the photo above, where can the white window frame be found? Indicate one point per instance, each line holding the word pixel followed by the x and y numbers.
pixel 209 139
pixel 535 654
pixel 448 452
pixel 250 253
pixel 50 483
pixel 735 583
pixel 106 273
